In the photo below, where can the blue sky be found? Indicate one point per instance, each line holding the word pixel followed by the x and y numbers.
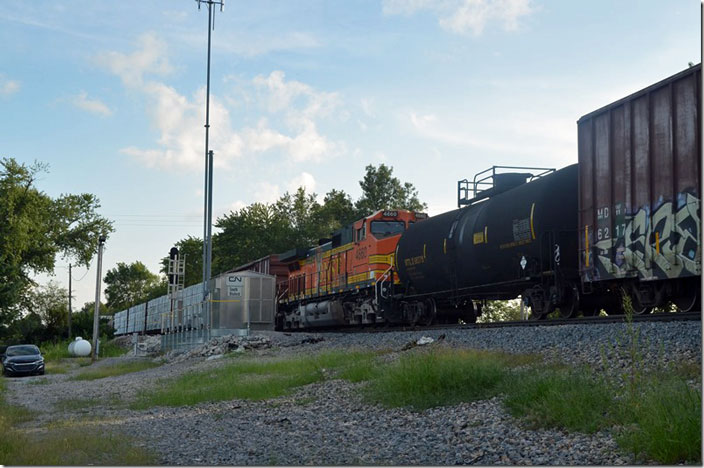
pixel 111 95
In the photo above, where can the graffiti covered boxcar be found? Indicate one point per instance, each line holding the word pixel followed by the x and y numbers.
pixel 640 192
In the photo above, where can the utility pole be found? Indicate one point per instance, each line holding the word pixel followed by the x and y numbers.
pixel 69 301
pixel 96 313
pixel 208 190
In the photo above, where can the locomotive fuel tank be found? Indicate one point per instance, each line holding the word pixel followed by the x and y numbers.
pixel 495 247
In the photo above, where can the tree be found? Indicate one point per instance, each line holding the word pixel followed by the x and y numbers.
pixel 192 248
pixel 501 311
pixel 82 321
pixel 250 233
pixel 35 228
pixel 380 191
pixel 336 211
pixel 50 302
pixel 127 285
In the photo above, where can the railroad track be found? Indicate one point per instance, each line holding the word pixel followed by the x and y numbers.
pixel 660 317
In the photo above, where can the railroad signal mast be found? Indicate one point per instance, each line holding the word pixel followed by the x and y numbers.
pixel 176 274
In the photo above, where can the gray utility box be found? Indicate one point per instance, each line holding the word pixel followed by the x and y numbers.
pixel 243 300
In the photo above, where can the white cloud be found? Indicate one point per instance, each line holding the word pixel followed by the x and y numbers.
pixel 465 16
pixel 94 106
pixel 8 86
pixel 305 180
pixel 179 121
pixel 282 96
pixel 293 106
pixel 266 192
pixel 149 58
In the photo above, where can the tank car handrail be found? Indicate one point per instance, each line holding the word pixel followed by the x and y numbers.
pixel 464 186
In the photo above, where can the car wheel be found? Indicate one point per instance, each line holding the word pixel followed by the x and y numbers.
pixel 41 373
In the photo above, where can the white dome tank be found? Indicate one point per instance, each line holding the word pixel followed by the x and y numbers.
pixel 79 347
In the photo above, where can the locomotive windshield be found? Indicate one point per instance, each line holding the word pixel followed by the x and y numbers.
pixel 381 229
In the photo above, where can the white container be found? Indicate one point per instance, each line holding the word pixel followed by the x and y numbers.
pixel 79 347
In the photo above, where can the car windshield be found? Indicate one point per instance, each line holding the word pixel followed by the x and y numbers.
pixel 22 350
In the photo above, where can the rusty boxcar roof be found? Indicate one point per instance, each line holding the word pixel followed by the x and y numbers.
pixel 646 90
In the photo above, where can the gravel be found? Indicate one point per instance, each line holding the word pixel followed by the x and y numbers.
pixel 327 423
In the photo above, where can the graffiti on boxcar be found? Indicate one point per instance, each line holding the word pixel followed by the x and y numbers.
pixel 662 244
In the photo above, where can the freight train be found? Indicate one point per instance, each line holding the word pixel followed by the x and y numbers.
pixel 624 220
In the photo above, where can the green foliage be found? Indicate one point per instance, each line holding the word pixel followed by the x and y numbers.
pixel 35 228
pixel 380 190
pixel 500 311
pixel 127 285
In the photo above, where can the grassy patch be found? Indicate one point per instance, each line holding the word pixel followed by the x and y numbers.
pixel 439 377
pixel 564 399
pixel 42 381
pixel 663 422
pixel 114 370
pixel 252 380
pixel 73 404
pixel 74 446
pixel 68 446
pixel 53 367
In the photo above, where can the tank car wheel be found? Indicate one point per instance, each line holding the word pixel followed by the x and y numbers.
pixel 570 305
pixel 638 308
pixel 429 313
pixel 688 298
pixel 688 301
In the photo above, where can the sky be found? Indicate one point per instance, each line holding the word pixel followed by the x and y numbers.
pixel 111 94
